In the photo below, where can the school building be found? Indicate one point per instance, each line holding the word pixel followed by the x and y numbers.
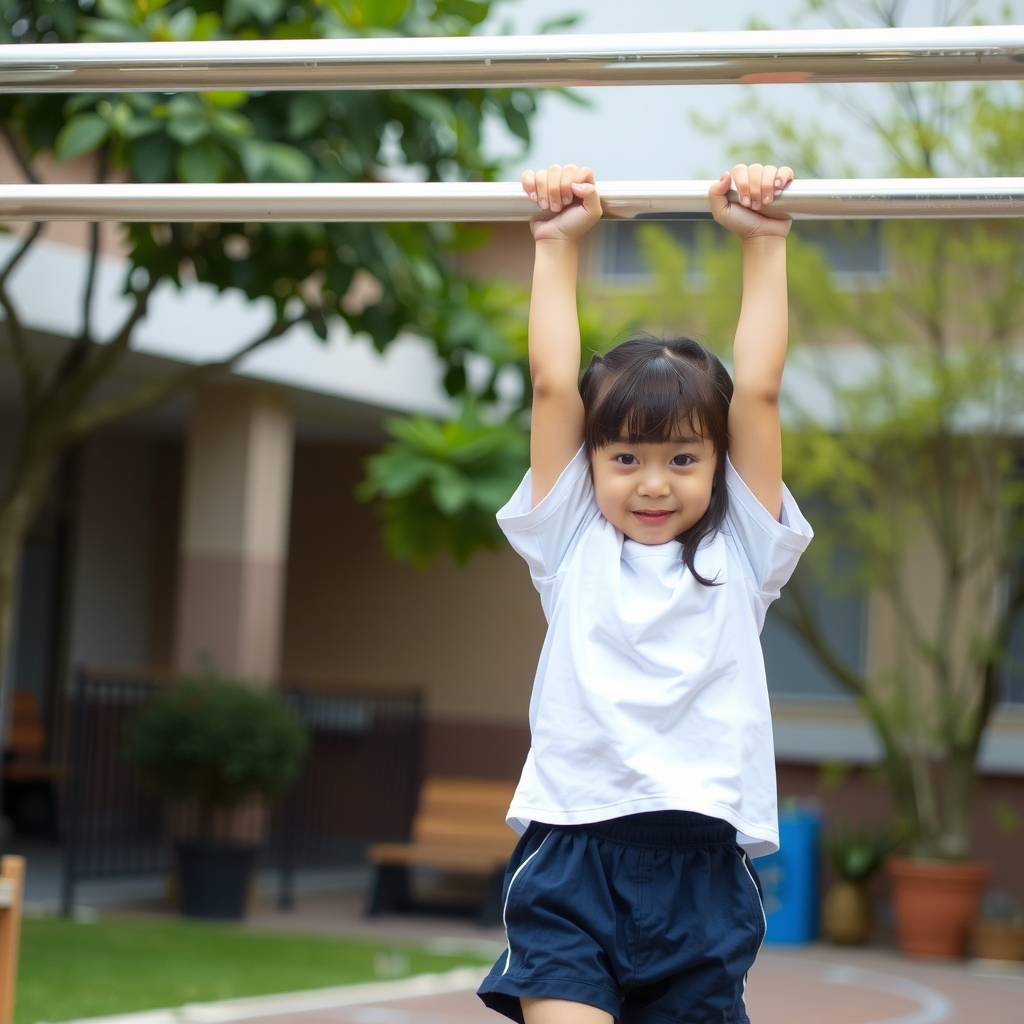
pixel 223 527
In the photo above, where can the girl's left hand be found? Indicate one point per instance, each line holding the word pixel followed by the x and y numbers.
pixel 757 187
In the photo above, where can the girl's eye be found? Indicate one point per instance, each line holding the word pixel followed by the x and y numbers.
pixel 682 460
pixel 625 459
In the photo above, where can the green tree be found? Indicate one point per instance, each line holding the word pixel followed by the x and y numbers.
pixel 402 272
pixel 915 473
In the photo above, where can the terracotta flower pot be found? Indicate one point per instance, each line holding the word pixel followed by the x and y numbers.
pixel 999 940
pixel 846 913
pixel 936 903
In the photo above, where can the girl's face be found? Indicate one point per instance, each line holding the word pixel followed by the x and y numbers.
pixel 654 492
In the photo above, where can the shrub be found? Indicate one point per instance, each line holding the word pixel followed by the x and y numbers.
pixel 216 742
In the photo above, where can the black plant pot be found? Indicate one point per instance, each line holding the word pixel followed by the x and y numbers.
pixel 214 878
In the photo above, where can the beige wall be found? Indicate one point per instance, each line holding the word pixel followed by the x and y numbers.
pixel 470 636
pixel 234 529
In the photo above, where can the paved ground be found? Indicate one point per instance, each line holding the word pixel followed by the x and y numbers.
pixel 811 985
pixel 817 984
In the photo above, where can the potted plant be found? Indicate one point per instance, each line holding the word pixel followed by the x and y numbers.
pixel 218 745
pixel 856 855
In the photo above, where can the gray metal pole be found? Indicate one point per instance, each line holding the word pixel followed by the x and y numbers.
pixel 838 55
pixel 859 198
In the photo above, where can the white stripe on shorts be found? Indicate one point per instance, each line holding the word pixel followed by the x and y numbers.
pixel 504 909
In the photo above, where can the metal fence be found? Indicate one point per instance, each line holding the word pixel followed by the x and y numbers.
pixel 359 782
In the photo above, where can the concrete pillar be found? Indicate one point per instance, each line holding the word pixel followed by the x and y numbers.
pixel 234 533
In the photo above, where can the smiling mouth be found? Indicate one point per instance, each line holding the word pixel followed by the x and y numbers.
pixel 652 517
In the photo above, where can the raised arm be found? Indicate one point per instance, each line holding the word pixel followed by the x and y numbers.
pixel 556 426
pixel 759 351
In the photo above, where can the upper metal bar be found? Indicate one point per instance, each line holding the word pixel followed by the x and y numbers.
pixel 834 55
pixel 863 199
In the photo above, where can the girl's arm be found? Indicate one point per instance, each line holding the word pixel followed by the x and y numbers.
pixel 556 426
pixel 759 352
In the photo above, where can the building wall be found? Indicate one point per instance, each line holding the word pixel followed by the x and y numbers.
pixel 163 564
pixel 470 636
pixel 112 551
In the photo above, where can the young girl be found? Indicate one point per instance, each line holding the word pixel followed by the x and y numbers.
pixel 657 530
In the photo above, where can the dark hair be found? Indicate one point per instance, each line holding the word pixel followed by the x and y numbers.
pixel 642 389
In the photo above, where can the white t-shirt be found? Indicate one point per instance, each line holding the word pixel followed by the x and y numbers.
pixel 650 694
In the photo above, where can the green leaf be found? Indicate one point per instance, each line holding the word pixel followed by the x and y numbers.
pixel 181 24
pixel 236 12
pixel 153 158
pixel 473 12
pixel 318 323
pixel 559 23
pixel 206 27
pixel 109 31
pixel 81 135
pixel 364 14
pixel 117 10
pixel 275 161
pixel 306 112
pixel 229 122
pixel 451 491
pixel 188 127
pixel 225 99
pixel 201 161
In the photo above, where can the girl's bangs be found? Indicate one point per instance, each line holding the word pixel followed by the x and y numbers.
pixel 648 404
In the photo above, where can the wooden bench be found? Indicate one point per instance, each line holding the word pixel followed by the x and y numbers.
pixel 25 749
pixel 12 879
pixel 459 827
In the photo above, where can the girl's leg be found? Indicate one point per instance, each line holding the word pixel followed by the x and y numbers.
pixel 561 1011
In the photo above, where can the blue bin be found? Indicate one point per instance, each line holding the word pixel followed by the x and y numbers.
pixel 789 878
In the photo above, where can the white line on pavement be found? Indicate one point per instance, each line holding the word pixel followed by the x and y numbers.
pixel 934 1007
pixel 224 1010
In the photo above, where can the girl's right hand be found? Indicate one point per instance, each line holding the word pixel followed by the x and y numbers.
pixel 568 198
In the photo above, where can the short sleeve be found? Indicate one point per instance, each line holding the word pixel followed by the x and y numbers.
pixel 771 547
pixel 545 534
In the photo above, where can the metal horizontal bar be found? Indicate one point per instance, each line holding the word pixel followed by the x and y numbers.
pixel 856 199
pixel 671 58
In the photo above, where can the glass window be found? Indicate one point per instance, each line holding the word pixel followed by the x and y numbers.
pixel 853 248
pixel 622 256
pixel 792 669
pixel 1013 668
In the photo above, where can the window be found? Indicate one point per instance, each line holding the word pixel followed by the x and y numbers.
pixel 853 249
pixel 792 669
pixel 1013 668
pixel 622 254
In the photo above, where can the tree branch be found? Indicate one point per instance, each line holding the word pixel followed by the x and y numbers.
pixel 94 251
pixel 807 628
pixel 19 253
pixel 81 346
pixel 90 279
pixel 74 382
pixel 19 154
pixel 19 344
pixel 157 392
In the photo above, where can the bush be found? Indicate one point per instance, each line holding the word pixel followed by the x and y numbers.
pixel 218 743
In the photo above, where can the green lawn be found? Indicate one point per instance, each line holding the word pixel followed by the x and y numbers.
pixel 70 970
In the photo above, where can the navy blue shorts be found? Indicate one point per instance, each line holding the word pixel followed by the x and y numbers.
pixel 651 918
